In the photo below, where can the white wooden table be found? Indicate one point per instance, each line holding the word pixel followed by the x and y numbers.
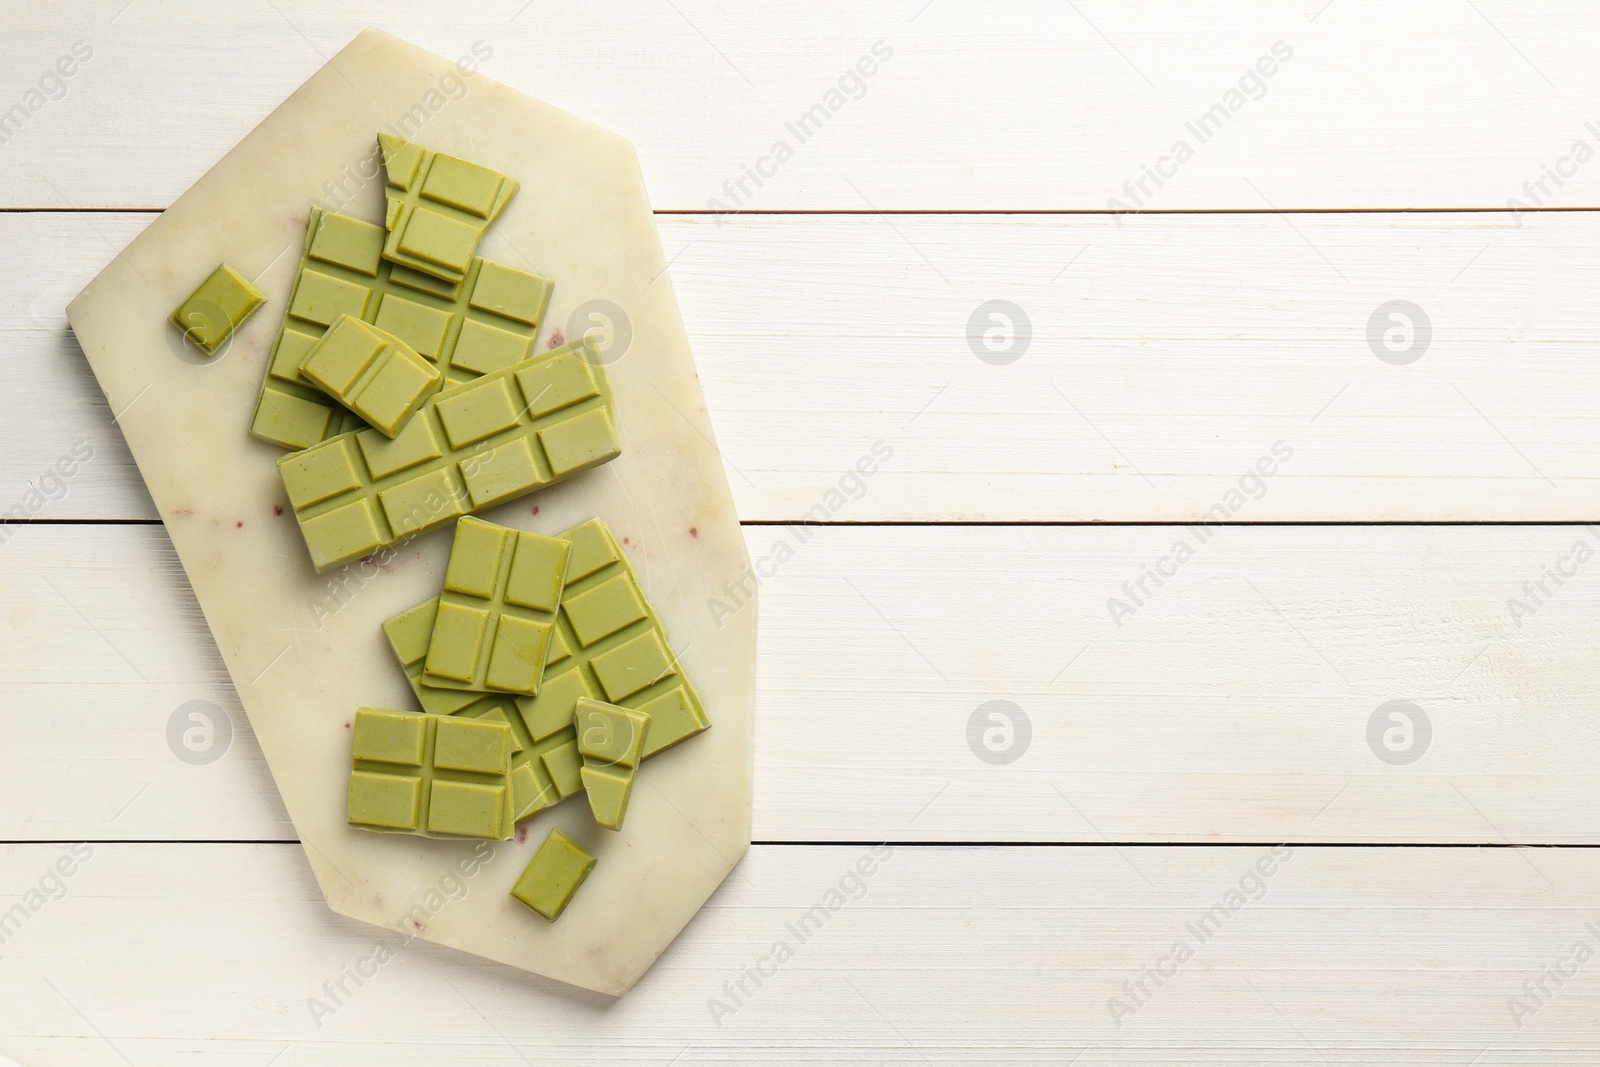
pixel 1402 894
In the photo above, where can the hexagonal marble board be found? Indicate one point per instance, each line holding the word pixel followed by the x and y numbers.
pixel 305 651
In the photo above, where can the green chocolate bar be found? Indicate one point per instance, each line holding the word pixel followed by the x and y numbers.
pixel 611 740
pixel 557 870
pixel 373 373
pixel 423 774
pixel 545 763
pixel 493 625
pixel 437 207
pixel 609 645
pixel 487 322
pixel 218 308
pixel 467 448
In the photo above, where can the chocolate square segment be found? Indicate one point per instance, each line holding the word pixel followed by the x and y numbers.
pixel 476 411
pixel 434 240
pixel 565 767
pixel 554 875
pixel 481 348
pixel 389 737
pixel 466 809
pixel 636 664
pixel 515 294
pixel 343 241
pixel 578 443
pixel 537 572
pixel 353 529
pixel 475 559
pixel 462 185
pixel 219 307
pixel 500 471
pixel 416 443
pixel 457 645
pixel 385 801
pixel 604 609
pixel 416 505
pixel 465 745
pixel 516 661
pixel 558 383
pixel 311 479
pixel 422 327
pixel 320 298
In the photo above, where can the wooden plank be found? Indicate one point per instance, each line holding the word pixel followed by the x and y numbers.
pixel 1052 107
pixel 1166 360
pixel 937 956
pixel 1235 703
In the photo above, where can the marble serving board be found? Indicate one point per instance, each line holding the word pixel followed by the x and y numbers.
pixel 304 650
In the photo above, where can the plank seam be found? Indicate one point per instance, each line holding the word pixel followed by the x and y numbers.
pixel 868 843
pixel 971 212
pixel 977 523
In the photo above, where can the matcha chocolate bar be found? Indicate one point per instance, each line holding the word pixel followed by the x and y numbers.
pixel 437 207
pixel 429 775
pixel 467 448
pixel 373 373
pixel 494 620
pixel 219 307
pixel 554 875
